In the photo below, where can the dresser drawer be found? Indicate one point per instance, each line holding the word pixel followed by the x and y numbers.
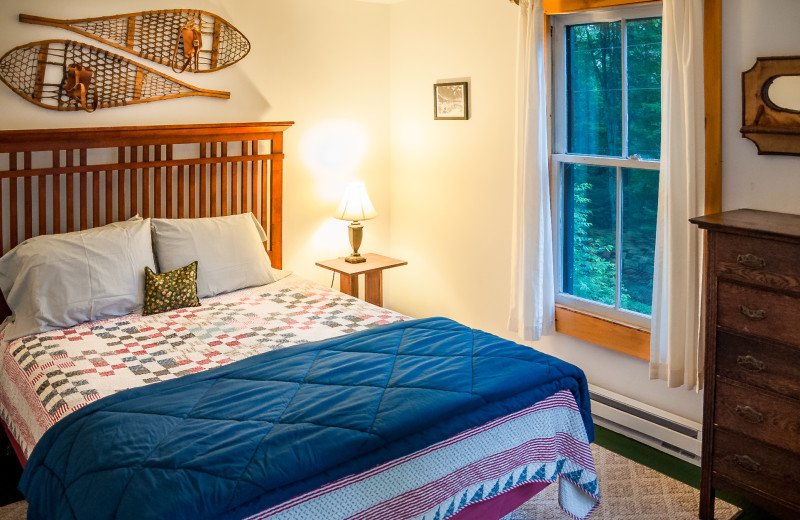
pixel 761 363
pixel 758 414
pixel 762 313
pixel 751 464
pixel 759 261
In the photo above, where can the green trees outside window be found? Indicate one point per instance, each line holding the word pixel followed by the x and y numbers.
pixel 612 93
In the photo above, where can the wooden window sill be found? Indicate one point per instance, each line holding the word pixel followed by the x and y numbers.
pixel 622 337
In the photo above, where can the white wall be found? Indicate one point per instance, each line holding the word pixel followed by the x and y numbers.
pixel 321 63
pixel 451 180
pixel 752 30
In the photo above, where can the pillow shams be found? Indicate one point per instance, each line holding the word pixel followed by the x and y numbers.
pixel 57 281
pixel 229 251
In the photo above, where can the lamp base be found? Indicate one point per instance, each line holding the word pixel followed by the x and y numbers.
pixel 355 231
pixel 355 259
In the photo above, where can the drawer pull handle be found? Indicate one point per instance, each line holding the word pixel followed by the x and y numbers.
pixel 752 261
pixel 749 414
pixel 748 362
pixel 747 463
pixel 753 314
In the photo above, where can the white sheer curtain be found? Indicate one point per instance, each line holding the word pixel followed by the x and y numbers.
pixel 676 332
pixel 532 289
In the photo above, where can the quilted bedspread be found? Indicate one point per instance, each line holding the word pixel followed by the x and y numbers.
pixel 47 376
pixel 241 438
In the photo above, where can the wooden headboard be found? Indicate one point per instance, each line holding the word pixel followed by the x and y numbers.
pixel 61 180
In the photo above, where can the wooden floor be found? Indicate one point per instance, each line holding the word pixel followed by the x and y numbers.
pixel 671 466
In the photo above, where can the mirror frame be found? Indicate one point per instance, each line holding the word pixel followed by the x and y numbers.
pixel 774 130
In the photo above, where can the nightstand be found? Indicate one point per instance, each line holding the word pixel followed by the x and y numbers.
pixel 372 270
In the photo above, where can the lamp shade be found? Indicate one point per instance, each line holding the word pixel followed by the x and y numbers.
pixel 355 204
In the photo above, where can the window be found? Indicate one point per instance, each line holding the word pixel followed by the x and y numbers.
pixel 607 136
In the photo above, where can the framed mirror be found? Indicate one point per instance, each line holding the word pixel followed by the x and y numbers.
pixel 771 105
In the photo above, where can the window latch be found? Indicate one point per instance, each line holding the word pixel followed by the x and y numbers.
pixel 636 157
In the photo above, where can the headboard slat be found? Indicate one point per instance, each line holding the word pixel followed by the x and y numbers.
pixel 236 172
pixel 136 180
pixel 108 182
pixel 84 188
pixel 264 192
pixel 28 195
pixel 251 168
pixel 12 200
pixel 28 203
pixel 70 178
pixel 225 178
pixel 202 173
pixel 13 206
pixel 56 190
pixel 170 174
pixel 85 197
pixel 194 173
pixel 214 170
pixel 41 191
pixel 145 158
pixel 96 198
pixel 117 178
pixel 157 185
pixel 182 172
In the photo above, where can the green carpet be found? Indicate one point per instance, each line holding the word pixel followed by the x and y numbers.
pixel 672 467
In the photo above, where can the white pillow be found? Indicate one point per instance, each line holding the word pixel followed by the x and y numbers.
pixel 229 251
pixel 57 281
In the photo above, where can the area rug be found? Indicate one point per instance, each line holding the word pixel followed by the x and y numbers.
pixel 628 491
pixel 15 511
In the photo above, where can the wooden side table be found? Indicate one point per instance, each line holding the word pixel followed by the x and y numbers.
pixel 372 270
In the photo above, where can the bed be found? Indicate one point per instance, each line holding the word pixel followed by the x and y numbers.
pixel 283 400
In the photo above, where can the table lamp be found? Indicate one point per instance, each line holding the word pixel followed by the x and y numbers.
pixel 355 206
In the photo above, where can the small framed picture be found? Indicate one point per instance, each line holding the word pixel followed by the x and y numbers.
pixel 451 101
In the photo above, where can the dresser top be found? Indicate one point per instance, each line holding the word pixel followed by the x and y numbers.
pixel 752 222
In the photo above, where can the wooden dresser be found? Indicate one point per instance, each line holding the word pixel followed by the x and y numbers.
pixel 751 410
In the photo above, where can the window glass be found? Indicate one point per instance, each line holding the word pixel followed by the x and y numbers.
pixel 589 254
pixel 639 207
pixel 594 88
pixel 644 87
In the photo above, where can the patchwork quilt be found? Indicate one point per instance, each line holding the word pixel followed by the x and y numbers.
pixel 47 376
pixel 283 433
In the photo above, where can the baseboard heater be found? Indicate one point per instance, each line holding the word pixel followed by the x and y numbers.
pixel 662 430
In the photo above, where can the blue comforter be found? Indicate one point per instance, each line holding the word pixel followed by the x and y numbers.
pixel 237 439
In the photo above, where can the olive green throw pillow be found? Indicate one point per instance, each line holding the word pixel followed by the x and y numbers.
pixel 172 290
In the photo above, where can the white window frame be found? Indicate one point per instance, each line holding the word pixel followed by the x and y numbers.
pixel 559 156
